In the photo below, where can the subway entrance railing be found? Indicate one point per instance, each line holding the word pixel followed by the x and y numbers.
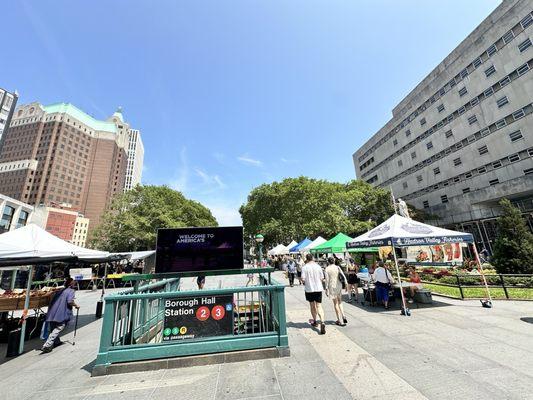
pixel 133 326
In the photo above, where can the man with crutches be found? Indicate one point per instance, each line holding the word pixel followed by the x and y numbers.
pixel 59 314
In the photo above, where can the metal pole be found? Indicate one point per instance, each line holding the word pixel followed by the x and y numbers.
pixel 481 271
pixel 399 280
pixel 13 279
pixel 25 311
pixel 260 254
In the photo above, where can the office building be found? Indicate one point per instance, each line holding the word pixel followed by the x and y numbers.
pixel 15 214
pixel 8 102
pixel 135 160
pixel 463 138
pixel 62 221
pixel 60 154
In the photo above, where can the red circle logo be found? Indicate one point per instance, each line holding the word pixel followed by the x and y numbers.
pixel 218 312
pixel 202 313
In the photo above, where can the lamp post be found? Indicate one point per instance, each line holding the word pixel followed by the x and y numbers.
pixel 259 239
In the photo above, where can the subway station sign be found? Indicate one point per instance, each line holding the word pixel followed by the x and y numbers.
pixel 199 316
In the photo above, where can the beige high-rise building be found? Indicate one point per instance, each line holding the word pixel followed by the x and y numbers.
pixel 60 154
pixel 134 169
pixel 463 138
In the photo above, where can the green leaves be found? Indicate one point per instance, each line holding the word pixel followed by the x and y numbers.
pixel 513 249
pixel 298 207
pixel 132 221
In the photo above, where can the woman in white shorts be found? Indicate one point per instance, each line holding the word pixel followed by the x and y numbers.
pixel 334 289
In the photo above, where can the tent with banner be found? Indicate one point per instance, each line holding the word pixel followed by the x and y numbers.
pixel 399 231
pixel 336 244
pixel 317 242
pixel 299 246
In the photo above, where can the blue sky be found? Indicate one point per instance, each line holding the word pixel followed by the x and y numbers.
pixel 232 94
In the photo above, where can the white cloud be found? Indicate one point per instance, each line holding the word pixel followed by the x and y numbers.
pixel 225 215
pixel 288 160
pixel 182 176
pixel 212 181
pixel 246 159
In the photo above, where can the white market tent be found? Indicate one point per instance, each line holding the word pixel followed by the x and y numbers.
pixel 288 247
pixel 276 250
pixel 33 245
pixel 317 242
pixel 399 231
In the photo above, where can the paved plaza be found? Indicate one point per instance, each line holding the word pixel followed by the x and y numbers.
pixel 449 350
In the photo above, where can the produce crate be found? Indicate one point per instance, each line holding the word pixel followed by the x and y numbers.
pixel 17 303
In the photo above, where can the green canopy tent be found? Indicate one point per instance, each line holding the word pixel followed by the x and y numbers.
pixel 336 244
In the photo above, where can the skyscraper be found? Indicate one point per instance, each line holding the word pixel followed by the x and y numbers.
pixel 8 102
pixel 463 138
pixel 135 160
pixel 60 154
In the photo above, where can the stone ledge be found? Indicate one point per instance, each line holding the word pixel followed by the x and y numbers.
pixel 190 361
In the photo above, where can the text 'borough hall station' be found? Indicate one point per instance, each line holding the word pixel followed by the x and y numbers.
pixel 463 138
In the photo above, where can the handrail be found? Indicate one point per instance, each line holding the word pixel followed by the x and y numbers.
pixel 239 271
pixel 148 286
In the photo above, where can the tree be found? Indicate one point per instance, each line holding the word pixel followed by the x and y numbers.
pixel 131 223
pixel 299 207
pixel 513 248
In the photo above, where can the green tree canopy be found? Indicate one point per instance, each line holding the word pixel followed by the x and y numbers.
pixel 299 207
pixel 513 249
pixel 132 221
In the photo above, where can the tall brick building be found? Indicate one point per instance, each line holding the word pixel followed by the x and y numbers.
pixel 60 154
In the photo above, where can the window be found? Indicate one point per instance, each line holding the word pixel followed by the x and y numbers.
pixel 491 50
pixel 493 182
pixel 405 185
pixel 466 190
pixel 474 102
pixel 523 69
pixel 514 158
pixel 23 219
pixel 464 73
pixel 488 92
pixel 422 122
pixel 429 145
pixel 462 110
pixel 477 62
pixel 413 155
pixel 463 91
pixel 481 170
pixel 502 101
pixel 526 21
pixel 7 217
pixel 490 70
pixel 508 37
pixel 515 136
pixel 444 199
pixel 448 134
pixel 505 81
pixel 528 171
pixel 472 119
pixel 457 162
pixel 483 150
pixel 496 164
pixel 501 123
pixel 518 114
pixel 419 178
pixel 395 142
pixel 426 203
pixel 400 163
pixel 526 44
pixel 407 133
pixel 436 171
pixel 440 108
pixel 468 175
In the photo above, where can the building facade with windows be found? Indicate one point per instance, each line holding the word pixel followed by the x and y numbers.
pixel 15 214
pixel 463 138
pixel 135 160
pixel 60 220
pixel 8 102
pixel 60 154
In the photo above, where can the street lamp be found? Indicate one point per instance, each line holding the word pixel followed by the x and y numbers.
pixel 259 239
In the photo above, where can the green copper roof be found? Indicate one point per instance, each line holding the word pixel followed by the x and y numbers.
pixel 84 118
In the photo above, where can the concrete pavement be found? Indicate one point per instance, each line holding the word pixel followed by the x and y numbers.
pixel 452 349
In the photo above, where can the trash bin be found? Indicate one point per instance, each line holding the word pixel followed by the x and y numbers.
pixel 13 342
pixel 99 308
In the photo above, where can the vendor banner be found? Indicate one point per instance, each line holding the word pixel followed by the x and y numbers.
pixel 446 253
pixel 81 274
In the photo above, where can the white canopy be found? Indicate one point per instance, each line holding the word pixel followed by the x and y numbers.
pixel 277 250
pixel 288 247
pixel 32 245
pixel 317 242
pixel 402 232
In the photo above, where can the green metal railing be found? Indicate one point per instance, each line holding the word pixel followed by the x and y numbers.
pixel 133 321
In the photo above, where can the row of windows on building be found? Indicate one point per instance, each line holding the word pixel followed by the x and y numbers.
pixel 498 45
pixel 520 71
pixel 7 218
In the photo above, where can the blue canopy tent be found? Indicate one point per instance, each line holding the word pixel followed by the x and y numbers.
pixel 300 246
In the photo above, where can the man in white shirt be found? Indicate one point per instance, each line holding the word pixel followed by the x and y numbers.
pixel 384 280
pixel 313 276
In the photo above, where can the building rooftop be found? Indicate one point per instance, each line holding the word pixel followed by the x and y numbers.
pixel 81 116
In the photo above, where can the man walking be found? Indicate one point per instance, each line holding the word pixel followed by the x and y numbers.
pixel 59 314
pixel 291 271
pixel 313 276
